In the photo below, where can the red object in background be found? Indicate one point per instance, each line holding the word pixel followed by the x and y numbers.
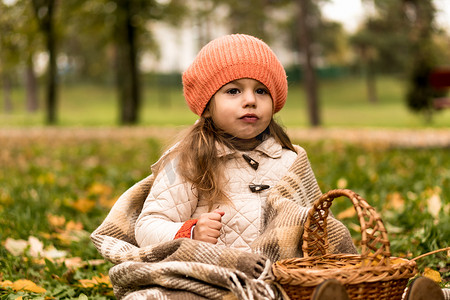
pixel 440 78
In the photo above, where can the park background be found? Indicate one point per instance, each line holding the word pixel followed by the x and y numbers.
pixel 91 95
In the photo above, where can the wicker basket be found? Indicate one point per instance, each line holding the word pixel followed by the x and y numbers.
pixel 373 274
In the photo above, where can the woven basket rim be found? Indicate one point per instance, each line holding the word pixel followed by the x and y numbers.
pixel 338 257
pixel 346 268
pixel 352 275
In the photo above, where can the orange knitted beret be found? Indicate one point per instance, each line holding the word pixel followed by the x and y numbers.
pixel 230 58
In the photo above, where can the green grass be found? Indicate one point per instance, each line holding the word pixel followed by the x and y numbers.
pixel 78 176
pixel 343 104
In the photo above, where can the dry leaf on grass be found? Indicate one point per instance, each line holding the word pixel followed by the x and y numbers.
pixel 15 247
pixel 23 285
pixel 99 189
pixel 56 221
pixel 84 205
pixel 78 262
pixel 434 205
pixel 35 248
pixel 395 201
pixel 96 280
pixel 341 183
pixel 348 213
pixel 432 274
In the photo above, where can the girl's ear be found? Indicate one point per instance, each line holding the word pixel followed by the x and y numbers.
pixel 207 112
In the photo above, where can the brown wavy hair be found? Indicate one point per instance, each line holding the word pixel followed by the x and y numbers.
pixel 198 160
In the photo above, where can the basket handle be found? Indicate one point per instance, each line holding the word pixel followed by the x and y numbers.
pixel 374 234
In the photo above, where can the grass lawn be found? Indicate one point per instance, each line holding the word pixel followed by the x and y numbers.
pixel 58 185
pixel 57 188
pixel 343 104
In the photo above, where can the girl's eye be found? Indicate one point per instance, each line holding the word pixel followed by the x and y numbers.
pixel 233 91
pixel 262 91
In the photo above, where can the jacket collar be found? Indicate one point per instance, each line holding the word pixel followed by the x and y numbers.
pixel 269 147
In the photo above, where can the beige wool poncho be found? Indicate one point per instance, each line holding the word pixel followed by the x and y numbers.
pixel 189 269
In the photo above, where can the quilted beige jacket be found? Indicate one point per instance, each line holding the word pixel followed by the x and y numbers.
pixel 172 200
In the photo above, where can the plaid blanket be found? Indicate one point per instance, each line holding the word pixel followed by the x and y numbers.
pixel 190 269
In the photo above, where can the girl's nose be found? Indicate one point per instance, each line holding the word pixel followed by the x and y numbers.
pixel 249 99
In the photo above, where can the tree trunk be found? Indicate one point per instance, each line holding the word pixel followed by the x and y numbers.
pixel 52 71
pixel 31 87
pixel 127 68
pixel 44 11
pixel 310 81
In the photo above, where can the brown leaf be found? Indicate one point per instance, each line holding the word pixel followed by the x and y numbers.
pixel 83 205
pixel 395 201
pixel 99 189
pixel 432 274
pixel 23 285
pixel 56 221
pixel 74 226
pixel 96 280
pixel 348 213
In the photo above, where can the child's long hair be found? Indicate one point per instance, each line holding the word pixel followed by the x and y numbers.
pixel 198 160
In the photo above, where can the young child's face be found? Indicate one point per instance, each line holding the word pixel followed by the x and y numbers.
pixel 242 108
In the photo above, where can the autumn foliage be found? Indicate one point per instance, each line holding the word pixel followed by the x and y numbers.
pixel 57 187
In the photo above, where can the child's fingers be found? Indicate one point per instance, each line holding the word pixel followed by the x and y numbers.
pixel 215 225
pixel 207 232
pixel 210 240
pixel 215 215
pixel 208 227
pixel 219 211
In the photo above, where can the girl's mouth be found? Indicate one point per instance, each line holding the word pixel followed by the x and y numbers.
pixel 249 118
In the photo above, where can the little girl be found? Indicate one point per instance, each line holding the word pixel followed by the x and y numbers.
pixel 212 185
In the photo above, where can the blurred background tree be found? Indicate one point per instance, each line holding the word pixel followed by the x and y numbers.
pixel 107 41
pixel 17 49
pixel 399 37
pixel 45 11
pixel 309 20
pixel 122 32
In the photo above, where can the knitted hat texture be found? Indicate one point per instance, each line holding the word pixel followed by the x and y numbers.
pixel 230 58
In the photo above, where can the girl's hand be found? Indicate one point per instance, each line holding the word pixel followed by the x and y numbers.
pixel 208 227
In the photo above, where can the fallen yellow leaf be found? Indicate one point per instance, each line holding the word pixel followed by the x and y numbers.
pixel 396 261
pixel 6 284
pixel 348 213
pixel 74 226
pixel 78 262
pixel 342 183
pixel 56 221
pixel 432 274
pixel 23 285
pixel 395 201
pixel 84 205
pixel 99 189
pixel 74 262
pixel 96 280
